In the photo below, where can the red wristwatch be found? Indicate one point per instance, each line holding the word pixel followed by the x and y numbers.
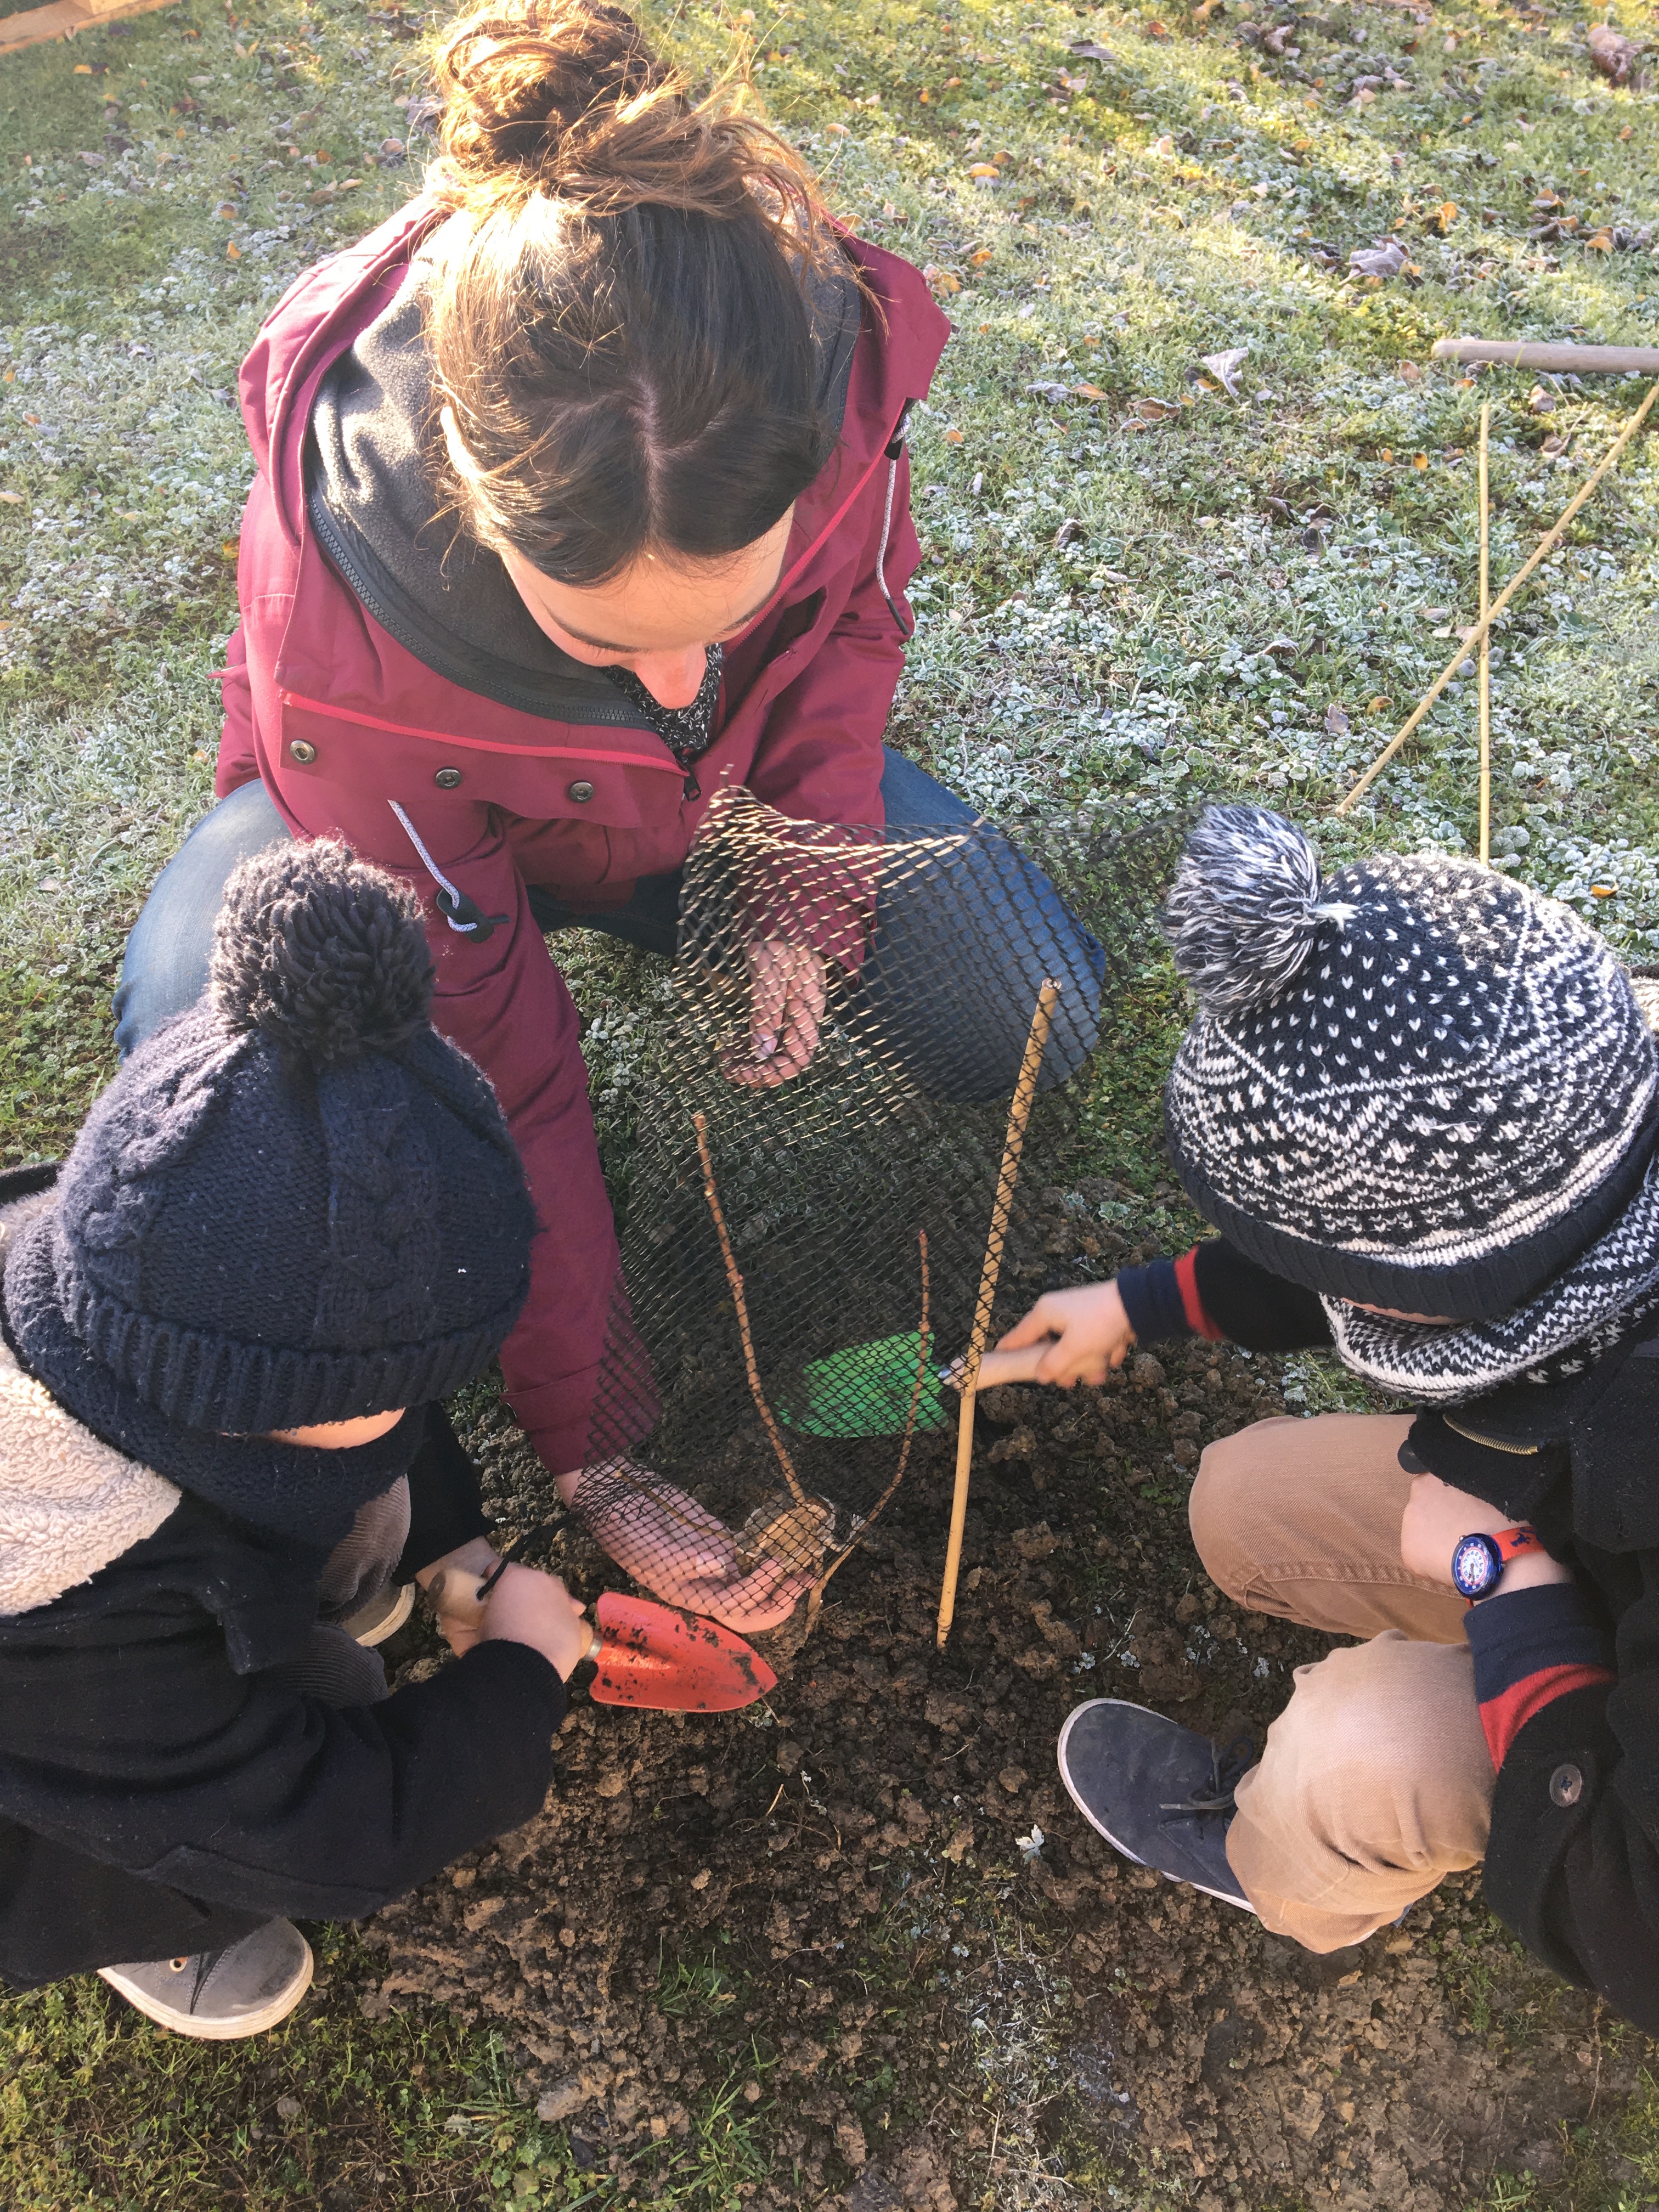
pixel 1480 1560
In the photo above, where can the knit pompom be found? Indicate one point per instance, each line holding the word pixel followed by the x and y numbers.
pixel 322 953
pixel 1245 906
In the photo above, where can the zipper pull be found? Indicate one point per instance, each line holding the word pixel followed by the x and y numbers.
pixel 690 788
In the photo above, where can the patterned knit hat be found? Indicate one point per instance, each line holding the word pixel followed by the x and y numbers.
pixel 1421 1087
pixel 295 1203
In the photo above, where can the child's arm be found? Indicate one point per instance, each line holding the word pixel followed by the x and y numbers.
pixel 1212 1291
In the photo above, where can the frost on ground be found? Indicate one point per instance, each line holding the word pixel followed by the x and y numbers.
pixel 1198 515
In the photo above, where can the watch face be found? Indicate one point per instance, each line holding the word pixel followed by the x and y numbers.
pixel 1476 1564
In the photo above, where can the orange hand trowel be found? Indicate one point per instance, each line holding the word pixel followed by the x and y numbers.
pixel 657 1658
pixel 669 1662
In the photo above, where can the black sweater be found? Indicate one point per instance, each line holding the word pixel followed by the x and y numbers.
pixel 1572 1864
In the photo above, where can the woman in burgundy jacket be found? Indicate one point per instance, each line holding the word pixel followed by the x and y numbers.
pixel 580 492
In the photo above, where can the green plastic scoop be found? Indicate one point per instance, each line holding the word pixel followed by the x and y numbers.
pixel 867 1390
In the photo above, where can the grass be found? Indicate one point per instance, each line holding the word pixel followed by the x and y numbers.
pixel 1134 586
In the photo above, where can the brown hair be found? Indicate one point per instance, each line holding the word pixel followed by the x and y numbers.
pixel 616 309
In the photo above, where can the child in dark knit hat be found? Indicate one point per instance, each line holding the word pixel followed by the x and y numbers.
pixel 1420 1104
pixel 292 1223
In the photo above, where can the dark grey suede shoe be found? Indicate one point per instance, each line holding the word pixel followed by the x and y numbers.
pixel 1158 1792
pixel 217 1995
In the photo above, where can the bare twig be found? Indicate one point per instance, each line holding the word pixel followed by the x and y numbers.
pixel 1485 639
pixel 699 1123
pixel 1545 546
pixel 1019 1113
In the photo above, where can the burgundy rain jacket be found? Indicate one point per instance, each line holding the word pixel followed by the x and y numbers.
pixel 339 720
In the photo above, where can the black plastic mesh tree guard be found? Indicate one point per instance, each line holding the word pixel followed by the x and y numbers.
pixel 800 1263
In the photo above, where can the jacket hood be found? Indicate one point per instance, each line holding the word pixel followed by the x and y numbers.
pixel 376 498
pixel 70 1503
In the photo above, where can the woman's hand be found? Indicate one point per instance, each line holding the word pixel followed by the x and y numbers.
pixel 786 1005
pixel 1068 1337
pixel 527 1607
pixel 687 1557
pixel 1435 1520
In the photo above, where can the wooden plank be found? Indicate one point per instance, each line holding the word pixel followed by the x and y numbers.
pixel 1556 359
pixel 61 19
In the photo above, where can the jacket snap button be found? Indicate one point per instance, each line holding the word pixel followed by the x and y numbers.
pixel 302 752
pixel 1566 1786
pixel 447 778
pixel 581 792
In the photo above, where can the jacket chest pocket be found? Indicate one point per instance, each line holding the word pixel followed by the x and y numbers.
pixel 337 770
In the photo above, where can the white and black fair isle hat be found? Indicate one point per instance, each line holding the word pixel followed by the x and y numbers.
pixel 1420 1086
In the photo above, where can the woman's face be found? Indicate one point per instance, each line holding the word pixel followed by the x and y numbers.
pixel 659 616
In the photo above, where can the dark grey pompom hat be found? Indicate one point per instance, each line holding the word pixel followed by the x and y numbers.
pixel 1420 1086
pixel 296 1203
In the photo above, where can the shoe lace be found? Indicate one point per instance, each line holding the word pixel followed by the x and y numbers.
pixel 1228 1764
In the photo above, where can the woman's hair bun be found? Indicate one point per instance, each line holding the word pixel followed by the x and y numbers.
pixel 1245 907
pixel 320 952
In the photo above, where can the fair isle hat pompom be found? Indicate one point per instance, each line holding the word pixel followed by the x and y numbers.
pixel 1420 1085
pixel 1246 905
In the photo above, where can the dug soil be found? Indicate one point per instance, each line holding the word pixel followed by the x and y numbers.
pixel 838 1906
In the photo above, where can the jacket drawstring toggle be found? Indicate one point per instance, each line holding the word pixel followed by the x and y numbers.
pixel 465 916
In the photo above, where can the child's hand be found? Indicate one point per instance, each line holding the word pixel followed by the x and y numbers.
pixel 527 1607
pixel 1068 1337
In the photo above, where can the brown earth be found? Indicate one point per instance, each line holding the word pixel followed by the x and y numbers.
pixel 822 1903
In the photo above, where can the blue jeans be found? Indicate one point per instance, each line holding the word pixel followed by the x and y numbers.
pixel 960 949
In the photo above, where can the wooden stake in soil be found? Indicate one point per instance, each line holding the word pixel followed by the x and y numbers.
pixel 1545 546
pixel 1486 644
pixel 1018 1113
pixel 700 1124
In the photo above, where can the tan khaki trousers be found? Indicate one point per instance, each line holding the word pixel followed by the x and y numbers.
pixel 1375 1780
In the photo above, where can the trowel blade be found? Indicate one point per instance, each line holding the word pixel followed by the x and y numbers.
pixel 668 1662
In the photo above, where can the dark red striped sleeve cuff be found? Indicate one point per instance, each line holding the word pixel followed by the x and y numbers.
pixel 1530 1647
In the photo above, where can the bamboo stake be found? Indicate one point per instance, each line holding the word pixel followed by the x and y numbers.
pixel 1482 628
pixel 1559 359
pixel 1019 1113
pixel 700 1124
pixel 1485 643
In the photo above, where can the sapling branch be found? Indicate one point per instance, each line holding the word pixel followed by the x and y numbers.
pixel 700 1123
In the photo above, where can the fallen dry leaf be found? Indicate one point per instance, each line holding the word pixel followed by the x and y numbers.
pixel 1376 706
pixel 1051 391
pixel 1154 411
pixel 233 251
pixel 1386 258
pixel 1441 219
pixel 988 169
pixel 1069 532
pixel 1613 54
pixel 12 498
pixel 977 260
pixel 1088 392
pixel 1163 147
pixel 1336 721
pixel 837 130
pixel 1420 462
pixel 1090 50
pixel 953 437
pixel 1226 365
pixel 944 281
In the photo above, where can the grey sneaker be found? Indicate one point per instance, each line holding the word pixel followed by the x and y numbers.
pixel 1158 1792
pixel 217 1995
pixel 379 1620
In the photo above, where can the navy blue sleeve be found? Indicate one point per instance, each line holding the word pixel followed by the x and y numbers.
pixel 1151 1298
pixel 1257 1310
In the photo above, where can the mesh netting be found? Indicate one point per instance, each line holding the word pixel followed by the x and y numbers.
pixel 804 1257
